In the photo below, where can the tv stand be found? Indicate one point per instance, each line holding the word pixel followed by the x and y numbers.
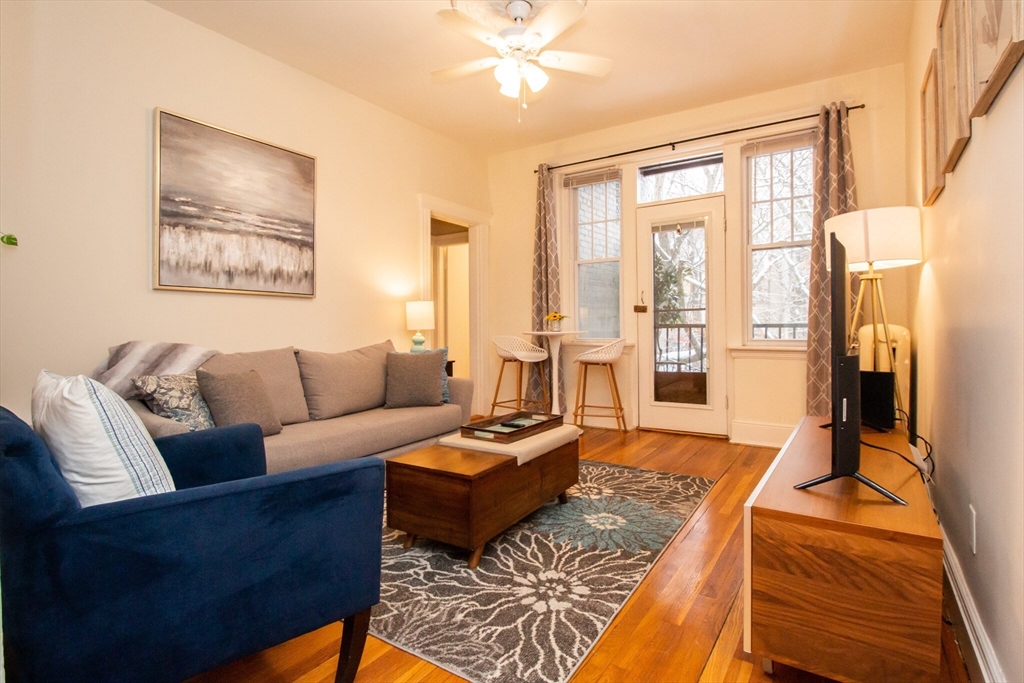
pixel 859 477
pixel 838 581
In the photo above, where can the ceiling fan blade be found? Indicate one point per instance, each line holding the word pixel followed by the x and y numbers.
pixel 452 73
pixel 591 65
pixel 459 22
pixel 553 20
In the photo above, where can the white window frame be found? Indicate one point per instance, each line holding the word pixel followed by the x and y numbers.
pixel 703 154
pixel 570 295
pixel 786 141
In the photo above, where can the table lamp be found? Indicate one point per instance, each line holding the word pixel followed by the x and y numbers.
pixel 419 316
pixel 877 239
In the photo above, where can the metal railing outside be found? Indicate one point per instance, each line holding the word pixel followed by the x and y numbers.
pixel 781 331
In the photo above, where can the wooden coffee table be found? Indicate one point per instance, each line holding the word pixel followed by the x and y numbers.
pixel 466 498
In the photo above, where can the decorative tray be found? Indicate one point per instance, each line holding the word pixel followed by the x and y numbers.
pixel 511 428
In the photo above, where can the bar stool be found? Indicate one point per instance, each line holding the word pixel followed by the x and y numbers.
pixel 603 355
pixel 513 349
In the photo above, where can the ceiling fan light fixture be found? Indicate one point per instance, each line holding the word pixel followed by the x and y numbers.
pixel 510 88
pixel 535 77
pixel 507 71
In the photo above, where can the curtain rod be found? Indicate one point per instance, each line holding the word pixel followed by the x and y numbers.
pixel 699 137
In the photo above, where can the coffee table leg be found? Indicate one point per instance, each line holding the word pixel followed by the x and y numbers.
pixel 474 559
pixel 409 540
pixel 563 498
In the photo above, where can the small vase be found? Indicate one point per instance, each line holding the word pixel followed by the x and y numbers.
pixel 554 326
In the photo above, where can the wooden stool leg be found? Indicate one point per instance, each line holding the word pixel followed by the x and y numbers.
pixel 519 386
pixel 585 367
pixel 497 388
pixel 544 387
pixel 474 559
pixel 579 385
pixel 620 412
pixel 353 638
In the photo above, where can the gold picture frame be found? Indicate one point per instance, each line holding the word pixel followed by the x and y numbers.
pixel 231 213
pixel 953 71
pixel 997 43
pixel 933 180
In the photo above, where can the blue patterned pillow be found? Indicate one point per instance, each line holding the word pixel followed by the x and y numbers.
pixel 446 396
pixel 176 397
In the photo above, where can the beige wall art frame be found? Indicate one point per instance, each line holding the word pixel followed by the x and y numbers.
pixel 953 54
pixel 997 44
pixel 932 177
pixel 231 213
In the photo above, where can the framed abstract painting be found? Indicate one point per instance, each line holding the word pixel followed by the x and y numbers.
pixel 231 213
pixel 997 44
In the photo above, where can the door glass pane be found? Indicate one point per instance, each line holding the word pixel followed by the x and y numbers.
pixel 680 313
pixel 599 299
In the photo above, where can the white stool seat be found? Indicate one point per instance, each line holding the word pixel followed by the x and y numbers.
pixel 516 348
pixel 609 353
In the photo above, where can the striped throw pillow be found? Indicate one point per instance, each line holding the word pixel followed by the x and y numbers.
pixel 100 444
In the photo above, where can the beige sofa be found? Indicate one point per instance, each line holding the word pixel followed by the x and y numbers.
pixel 307 387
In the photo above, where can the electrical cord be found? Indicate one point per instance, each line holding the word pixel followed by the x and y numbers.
pixel 905 418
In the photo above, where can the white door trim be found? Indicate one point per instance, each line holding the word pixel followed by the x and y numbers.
pixel 478 223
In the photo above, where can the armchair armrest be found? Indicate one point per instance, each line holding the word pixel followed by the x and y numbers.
pixel 213 456
pixel 199 577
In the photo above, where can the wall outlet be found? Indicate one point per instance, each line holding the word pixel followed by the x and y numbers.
pixel 974 529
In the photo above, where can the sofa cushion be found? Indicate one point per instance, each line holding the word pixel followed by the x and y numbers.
pixel 100 444
pixel 342 383
pixel 280 373
pixel 357 435
pixel 238 398
pixel 414 379
pixel 176 397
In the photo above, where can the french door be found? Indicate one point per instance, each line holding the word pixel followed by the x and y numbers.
pixel 681 336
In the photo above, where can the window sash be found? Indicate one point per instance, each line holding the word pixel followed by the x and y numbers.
pixel 575 183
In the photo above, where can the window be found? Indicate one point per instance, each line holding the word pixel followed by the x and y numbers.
pixel 780 209
pixel 682 178
pixel 597 225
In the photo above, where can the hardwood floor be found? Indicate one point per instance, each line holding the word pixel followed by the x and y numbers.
pixel 684 622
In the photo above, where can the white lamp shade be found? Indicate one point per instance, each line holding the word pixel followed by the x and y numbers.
pixel 419 315
pixel 885 238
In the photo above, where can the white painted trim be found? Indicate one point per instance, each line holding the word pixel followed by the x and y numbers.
pixel 991 670
pixel 748 530
pixel 759 433
pixel 478 265
pixel 768 352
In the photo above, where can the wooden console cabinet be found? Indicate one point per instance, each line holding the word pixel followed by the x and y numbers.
pixel 838 580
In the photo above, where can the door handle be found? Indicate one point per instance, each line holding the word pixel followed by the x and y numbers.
pixel 641 307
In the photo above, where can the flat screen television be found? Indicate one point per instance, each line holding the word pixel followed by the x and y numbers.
pixel 845 383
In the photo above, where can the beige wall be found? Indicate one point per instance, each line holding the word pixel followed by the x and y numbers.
pixel 968 324
pixel 80 81
pixel 760 411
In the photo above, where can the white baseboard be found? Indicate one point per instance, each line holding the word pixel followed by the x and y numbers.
pixel 759 433
pixel 986 654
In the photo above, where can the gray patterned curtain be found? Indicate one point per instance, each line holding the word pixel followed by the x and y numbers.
pixel 835 192
pixel 546 293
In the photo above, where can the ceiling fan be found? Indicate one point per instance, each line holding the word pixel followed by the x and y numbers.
pixel 520 44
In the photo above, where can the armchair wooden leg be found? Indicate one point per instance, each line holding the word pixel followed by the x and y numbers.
pixel 353 638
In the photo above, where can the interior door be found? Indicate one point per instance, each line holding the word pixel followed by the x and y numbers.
pixel 681 336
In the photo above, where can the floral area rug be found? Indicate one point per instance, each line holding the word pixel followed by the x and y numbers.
pixel 545 590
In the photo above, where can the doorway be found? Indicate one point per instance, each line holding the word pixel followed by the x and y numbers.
pixel 681 336
pixel 449 251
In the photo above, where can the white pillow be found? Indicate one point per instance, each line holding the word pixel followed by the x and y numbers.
pixel 100 443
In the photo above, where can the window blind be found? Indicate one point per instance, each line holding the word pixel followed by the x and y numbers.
pixel 601 175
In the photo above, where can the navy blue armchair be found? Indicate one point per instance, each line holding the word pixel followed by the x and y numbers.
pixel 164 587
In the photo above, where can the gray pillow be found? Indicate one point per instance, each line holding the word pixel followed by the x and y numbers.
pixel 342 383
pixel 236 398
pixel 414 379
pixel 176 397
pixel 279 372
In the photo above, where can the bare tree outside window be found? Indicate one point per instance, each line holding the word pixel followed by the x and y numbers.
pixel 682 178
pixel 598 251
pixel 780 189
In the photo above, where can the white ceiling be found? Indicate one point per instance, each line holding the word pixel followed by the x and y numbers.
pixel 669 55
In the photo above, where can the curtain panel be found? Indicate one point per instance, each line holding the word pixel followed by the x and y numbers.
pixel 835 192
pixel 546 292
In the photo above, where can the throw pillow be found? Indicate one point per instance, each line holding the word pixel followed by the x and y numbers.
pixel 104 452
pixel 342 383
pixel 446 396
pixel 176 397
pixel 279 372
pixel 238 397
pixel 413 379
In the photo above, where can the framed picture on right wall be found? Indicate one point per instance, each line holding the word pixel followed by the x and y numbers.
pixel 997 42
pixel 932 158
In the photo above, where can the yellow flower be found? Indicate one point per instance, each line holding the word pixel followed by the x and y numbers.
pixel 555 316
